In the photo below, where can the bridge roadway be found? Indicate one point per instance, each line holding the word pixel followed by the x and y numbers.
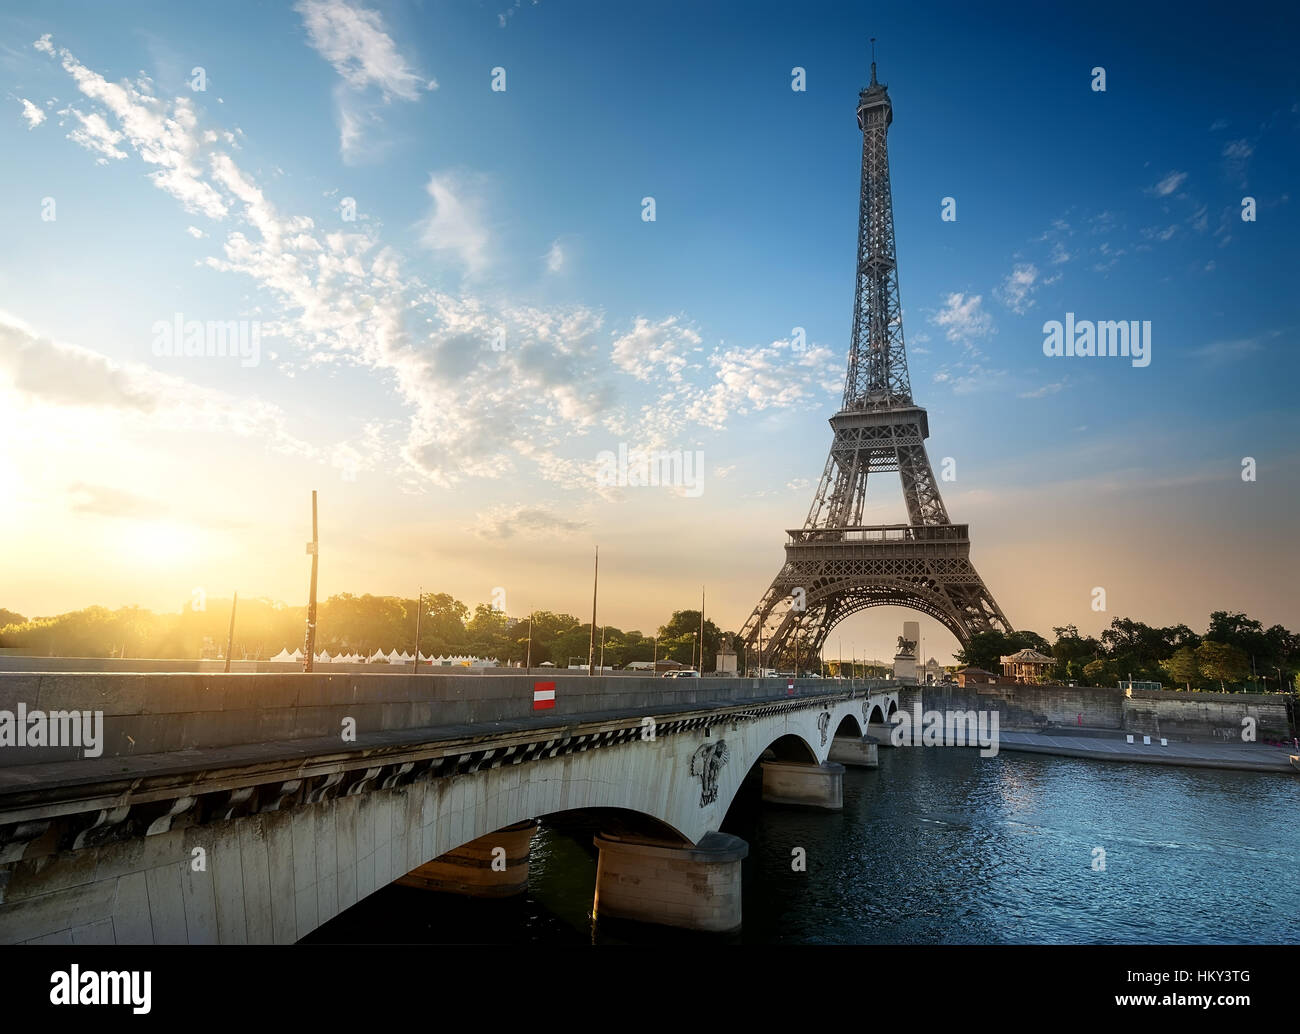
pixel 242 808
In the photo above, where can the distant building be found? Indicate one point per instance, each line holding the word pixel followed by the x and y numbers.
pixel 975 677
pixel 1028 666
pixel 727 662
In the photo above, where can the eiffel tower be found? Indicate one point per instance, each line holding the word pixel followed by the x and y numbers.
pixel 835 565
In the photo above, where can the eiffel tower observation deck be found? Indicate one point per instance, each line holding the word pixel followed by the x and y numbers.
pixel 835 565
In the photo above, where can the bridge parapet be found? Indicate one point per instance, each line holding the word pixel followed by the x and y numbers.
pixel 105 847
pixel 161 713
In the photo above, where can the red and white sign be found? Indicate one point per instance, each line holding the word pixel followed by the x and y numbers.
pixel 543 695
pixel 789 687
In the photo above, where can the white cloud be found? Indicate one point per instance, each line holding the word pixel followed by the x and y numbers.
pixel 96 135
pixel 355 41
pixel 650 347
pixel 455 224
pixel 555 257
pixel 195 232
pixel 471 409
pixel 32 113
pixel 963 318
pixel 529 521
pixel 1018 287
pixel 1168 185
pixel 47 373
pixel 748 380
pixel 1236 156
pixel 162 134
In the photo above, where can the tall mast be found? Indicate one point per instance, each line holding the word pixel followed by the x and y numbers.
pixel 877 375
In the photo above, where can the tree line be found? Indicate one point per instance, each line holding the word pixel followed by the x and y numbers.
pixel 1235 653
pixel 354 624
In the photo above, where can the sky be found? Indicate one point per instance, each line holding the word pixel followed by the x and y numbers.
pixel 429 221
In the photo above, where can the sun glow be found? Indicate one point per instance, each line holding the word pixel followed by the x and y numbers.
pixel 157 542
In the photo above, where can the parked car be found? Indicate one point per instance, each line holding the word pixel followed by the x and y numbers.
pixel 682 673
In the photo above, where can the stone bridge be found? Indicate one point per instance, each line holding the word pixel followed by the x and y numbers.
pixel 241 808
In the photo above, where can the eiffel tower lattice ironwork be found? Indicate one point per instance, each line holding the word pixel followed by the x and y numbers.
pixel 836 566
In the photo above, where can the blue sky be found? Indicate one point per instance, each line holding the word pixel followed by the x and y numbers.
pixel 522 208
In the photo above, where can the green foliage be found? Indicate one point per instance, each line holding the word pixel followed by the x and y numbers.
pixel 1184 666
pixel 987 649
pixel 678 640
pixel 1222 661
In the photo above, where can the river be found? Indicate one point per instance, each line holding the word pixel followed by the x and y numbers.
pixel 940 846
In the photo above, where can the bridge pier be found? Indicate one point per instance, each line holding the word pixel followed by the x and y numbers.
pixel 693 887
pixel 854 750
pixel 879 734
pixel 812 786
pixel 494 866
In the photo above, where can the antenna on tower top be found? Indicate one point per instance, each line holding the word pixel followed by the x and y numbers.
pixel 873 60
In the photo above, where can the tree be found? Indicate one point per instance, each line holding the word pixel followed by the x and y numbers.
pixel 680 633
pixel 487 634
pixel 984 650
pixel 10 617
pixel 1100 672
pixel 1222 661
pixel 1184 666
pixel 1074 653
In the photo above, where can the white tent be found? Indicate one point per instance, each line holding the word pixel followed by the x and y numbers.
pixel 323 657
pixel 297 654
pixel 378 657
pixel 283 656
pixel 394 657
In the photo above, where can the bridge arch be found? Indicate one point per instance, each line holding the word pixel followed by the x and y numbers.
pixel 920 598
pixel 288 854
pixel 790 747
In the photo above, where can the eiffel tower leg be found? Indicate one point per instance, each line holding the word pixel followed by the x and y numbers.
pixel 924 504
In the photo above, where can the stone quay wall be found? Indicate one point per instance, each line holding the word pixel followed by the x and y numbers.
pixel 1174 714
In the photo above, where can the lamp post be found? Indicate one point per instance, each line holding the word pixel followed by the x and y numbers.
pixel 230 636
pixel 591 649
pixel 313 548
pixel 419 612
pixel 701 631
